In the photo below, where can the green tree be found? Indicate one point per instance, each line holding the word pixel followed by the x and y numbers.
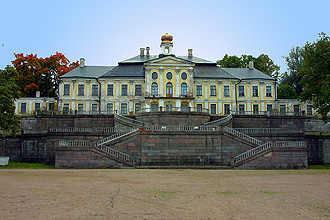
pixel 230 62
pixel 286 92
pixel 315 75
pixel 262 63
pixel 9 91
pixel 267 65
pixel 294 62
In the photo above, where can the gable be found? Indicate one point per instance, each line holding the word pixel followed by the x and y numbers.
pixel 169 60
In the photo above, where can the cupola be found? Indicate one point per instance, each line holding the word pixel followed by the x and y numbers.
pixel 166 44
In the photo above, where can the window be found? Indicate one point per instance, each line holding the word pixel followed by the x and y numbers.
pixel 269 107
pixel 51 107
pixel 183 89
pixel 309 110
pixel 227 109
pixel 213 90
pixel 94 108
pixel 154 89
pixel 23 108
pixel 81 89
pixel 169 90
pixel 80 108
pixel 241 91
pixel 296 109
pixel 124 90
pixel 110 108
pixel 213 109
pixel 138 90
pixel 110 90
pixel 36 106
pixel 268 91
pixel 137 107
pixel 226 91
pixel 184 76
pixel 283 109
pixel 184 107
pixel 255 91
pixel 123 108
pixel 168 107
pixel 169 75
pixel 66 90
pixel 154 75
pixel 199 107
pixel 95 90
pixel 199 91
pixel 255 109
pixel 154 107
pixel 241 109
pixel 66 107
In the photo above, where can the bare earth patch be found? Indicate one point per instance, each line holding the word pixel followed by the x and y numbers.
pixel 164 194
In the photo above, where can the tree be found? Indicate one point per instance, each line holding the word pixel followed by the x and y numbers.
pixel 41 74
pixel 267 65
pixel 230 62
pixel 9 91
pixel 294 62
pixel 262 63
pixel 286 92
pixel 315 75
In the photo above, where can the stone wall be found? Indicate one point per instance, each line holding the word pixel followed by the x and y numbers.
pixel 64 121
pixel 174 118
pixel 263 121
pixel 82 158
pixel 279 158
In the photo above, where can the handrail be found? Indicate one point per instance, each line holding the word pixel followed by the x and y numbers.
pixel 175 109
pixel 266 146
pixel 116 153
pixel 181 128
pixel 115 137
pixel 289 143
pixel 77 129
pixel 269 130
pixel 127 120
pixel 74 143
pixel 252 152
pixel 242 135
pixel 220 121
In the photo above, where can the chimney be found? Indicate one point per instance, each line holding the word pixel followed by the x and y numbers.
pixel 82 62
pixel 148 51
pixel 190 52
pixel 141 51
pixel 251 64
pixel 38 94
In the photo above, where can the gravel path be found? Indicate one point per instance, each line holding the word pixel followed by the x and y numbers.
pixel 164 194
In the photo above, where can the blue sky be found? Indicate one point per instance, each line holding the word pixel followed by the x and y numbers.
pixel 105 32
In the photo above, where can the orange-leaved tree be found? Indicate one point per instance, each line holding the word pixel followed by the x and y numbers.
pixel 40 74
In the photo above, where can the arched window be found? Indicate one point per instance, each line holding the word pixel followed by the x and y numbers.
pixel 167 50
pixel 169 90
pixel 154 89
pixel 183 89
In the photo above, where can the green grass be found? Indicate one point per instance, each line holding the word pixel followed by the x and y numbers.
pixel 24 165
pixel 325 166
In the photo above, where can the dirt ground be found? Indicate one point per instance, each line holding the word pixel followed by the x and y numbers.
pixel 164 194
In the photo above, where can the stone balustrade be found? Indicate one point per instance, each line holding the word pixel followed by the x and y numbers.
pixel 242 136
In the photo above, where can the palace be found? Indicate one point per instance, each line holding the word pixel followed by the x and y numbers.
pixel 166 82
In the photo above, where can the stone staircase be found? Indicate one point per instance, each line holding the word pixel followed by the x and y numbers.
pixel 103 146
pixel 222 121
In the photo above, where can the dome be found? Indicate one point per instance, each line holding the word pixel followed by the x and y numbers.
pixel 166 38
